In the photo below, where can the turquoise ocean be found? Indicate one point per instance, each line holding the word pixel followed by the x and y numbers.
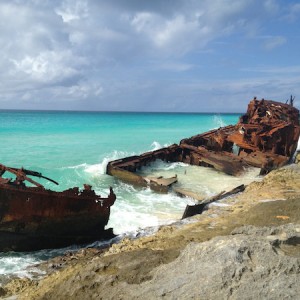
pixel 74 148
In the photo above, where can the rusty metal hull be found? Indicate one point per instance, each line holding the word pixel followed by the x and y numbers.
pixel 33 218
pixel 265 137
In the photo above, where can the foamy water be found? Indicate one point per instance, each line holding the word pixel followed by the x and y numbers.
pixel 137 208
pixel 74 148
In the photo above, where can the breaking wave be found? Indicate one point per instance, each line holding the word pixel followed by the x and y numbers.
pixel 23 264
pixel 156 146
pixel 218 121
pixel 138 208
pixel 100 169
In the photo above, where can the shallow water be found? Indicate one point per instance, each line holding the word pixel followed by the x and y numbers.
pixel 74 148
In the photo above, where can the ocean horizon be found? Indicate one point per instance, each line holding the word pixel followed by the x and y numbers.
pixel 116 111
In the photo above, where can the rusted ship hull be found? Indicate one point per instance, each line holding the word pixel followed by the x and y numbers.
pixel 33 218
pixel 265 137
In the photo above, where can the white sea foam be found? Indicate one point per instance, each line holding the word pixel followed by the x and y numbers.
pixel 202 180
pixel 100 169
pixel 14 264
pixel 297 150
pixel 96 169
pixel 24 264
pixel 218 121
pixel 156 146
pixel 137 208
pixel 75 167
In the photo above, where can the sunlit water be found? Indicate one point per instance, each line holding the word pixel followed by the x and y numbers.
pixel 74 148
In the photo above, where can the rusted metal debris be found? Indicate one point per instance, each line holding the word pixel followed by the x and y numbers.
pixel 125 169
pixel 265 137
pixel 33 218
pixel 198 208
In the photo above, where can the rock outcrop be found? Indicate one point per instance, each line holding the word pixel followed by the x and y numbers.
pixel 254 263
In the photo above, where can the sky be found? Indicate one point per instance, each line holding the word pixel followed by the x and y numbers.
pixel 148 55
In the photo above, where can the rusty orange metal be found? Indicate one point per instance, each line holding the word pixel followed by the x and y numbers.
pixel 34 218
pixel 265 137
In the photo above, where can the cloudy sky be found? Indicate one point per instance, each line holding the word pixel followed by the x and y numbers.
pixel 148 55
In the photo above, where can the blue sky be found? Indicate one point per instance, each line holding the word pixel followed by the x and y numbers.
pixel 142 55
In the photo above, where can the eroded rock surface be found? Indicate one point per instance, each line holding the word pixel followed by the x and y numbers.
pixel 247 265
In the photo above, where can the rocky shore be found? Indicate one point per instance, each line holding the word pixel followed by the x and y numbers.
pixel 246 248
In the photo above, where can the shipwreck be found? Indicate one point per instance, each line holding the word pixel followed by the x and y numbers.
pixel 265 137
pixel 33 218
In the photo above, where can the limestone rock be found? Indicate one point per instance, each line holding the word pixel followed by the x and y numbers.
pixel 246 265
pixel 297 157
pixel 251 263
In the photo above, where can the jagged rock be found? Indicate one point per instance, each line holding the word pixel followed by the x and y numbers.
pixel 246 265
pixel 251 263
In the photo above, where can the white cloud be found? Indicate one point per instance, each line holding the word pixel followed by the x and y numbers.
pixel 84 90
pixel 173 30
pixel 49 66
pixel 275 70
pixel 72 10
pixel 174 36
pixel 272 6
pixel 273 42
pixel 175 66
pixel 144 21
pixel 85 49
pixel 192 26
pixel 293 12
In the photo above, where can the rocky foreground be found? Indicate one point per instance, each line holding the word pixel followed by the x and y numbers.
pixel 246 249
